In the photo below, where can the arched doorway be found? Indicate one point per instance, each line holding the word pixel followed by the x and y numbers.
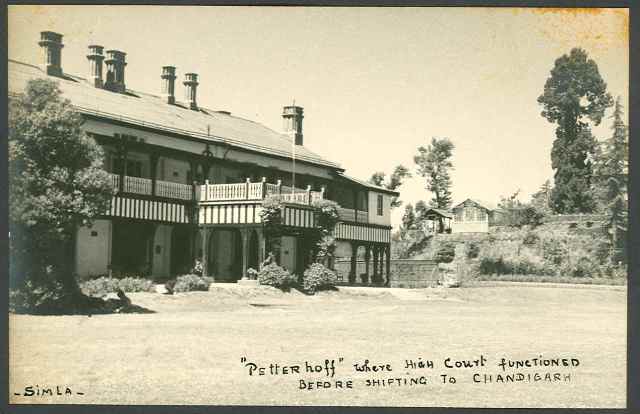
pixel 181 250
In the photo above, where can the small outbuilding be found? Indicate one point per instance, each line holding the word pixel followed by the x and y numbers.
pixel 437 221
pixel 473 216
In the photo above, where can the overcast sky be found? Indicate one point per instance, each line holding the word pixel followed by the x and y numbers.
pixel 375 83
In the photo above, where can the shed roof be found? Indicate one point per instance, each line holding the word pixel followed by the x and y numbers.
pixel 151 111
pixel 440 212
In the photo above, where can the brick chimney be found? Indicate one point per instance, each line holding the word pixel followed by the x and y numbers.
pixel 95 57
pixel 191 86
pixel 115 71
pixel 169 84
pixel 292 117
pixel 51 44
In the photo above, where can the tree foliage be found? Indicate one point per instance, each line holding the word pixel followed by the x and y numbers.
pixel 434 164
pixel 541 200
pixel 396 179
pixel 56 183
pixel 574 96
pixel 611 177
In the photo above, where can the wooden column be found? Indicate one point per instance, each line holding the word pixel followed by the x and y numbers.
pixel 354 256
pixel 204 232
pixel 153 165
pixel 244 234
pixel 261 247
pixel 381 268
pixel 376 251
pixel 367 258
pixel 388 250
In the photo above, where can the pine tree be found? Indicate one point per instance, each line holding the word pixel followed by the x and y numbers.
pixel 612 175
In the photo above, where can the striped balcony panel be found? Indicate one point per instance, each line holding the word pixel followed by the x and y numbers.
pixel 134 208
pixel 345 231
pixel 245 213
pixel 298 217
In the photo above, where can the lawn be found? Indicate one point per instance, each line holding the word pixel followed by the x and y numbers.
pixel 189 351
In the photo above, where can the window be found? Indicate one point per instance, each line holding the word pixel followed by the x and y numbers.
pixel 134 168
pixel 379 204
pixel 458 213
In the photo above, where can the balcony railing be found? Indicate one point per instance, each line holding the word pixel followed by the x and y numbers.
pixel 257 191
pixel 174 190
pixel 144 186
pixel 349 214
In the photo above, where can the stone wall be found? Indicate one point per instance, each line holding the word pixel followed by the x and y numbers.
pixel 407 273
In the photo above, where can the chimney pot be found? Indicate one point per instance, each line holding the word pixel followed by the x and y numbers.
pixel 191 86
pixel 292 116
pixel 115 71
pixel 168 84
pixel 95 57
pixel 51 44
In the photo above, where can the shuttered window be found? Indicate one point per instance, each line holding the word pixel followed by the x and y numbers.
pixel 379 205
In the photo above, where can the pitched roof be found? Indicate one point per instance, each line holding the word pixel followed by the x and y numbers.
pixel 369 185
pixel 482 203
pixel 149 110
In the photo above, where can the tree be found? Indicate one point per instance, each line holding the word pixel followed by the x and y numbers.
pixel 395 181
pixel 56 183
pixel 408 218
pixel 574 94
pixel 611 178
pixel 434 164
pixel 541 200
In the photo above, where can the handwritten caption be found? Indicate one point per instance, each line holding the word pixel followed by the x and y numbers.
pixel 336 373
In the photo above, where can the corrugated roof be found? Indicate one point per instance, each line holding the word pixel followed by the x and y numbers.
pixel 149 110
pixel 367 184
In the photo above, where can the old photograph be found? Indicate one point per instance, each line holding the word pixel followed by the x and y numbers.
pixel 318 206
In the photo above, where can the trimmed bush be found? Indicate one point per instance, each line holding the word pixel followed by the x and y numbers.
pixel 446 253
pixel 472 250
pixel 105 285
pixel 276 276
pixel 191 283
pixel 317 277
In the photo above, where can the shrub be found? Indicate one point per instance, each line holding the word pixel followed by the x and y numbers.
pixel 104 285
pixel 472 250
pixel 276 276
pixel 446 253
pixel 318 277
pixel 191 283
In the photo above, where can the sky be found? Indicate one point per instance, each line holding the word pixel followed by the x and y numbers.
pixel 375 83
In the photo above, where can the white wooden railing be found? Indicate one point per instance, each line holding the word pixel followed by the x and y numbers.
pixel 174 190
pixel 137 185
pixel 257 191
pixel 144 186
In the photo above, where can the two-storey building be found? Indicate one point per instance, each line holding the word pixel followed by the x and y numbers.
pixel 190 180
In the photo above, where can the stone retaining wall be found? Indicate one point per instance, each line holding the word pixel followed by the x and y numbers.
pixel 405 273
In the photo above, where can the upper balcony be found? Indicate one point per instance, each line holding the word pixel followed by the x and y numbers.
pixel 256 191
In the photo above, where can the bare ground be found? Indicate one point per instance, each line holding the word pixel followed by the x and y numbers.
pixel 190 350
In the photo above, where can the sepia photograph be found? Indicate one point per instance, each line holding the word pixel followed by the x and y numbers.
pixel 318 206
